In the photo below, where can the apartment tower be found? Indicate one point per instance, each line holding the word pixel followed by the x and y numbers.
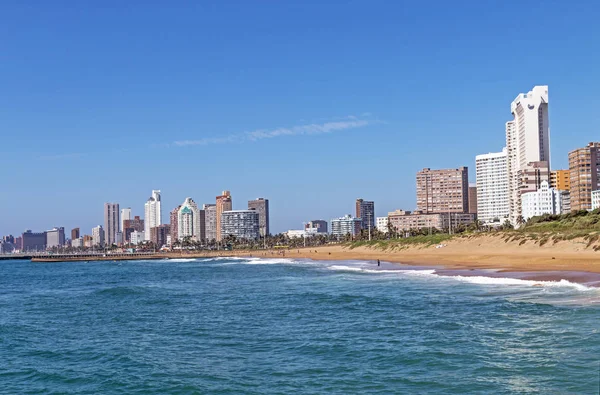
pixel 443 191
pixel 365 210
pixel 223 204
pixel 125 214
pixel 210 221
pixel 112 223
pixel 491 174
pixel 261 205
pixel 152 213
pixel 560 180
pixel 584 166
pixel 527 141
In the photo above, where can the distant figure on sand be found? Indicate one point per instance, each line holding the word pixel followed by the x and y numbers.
pixel 378 263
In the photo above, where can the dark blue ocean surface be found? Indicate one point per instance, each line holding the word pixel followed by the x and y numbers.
pixel 249 326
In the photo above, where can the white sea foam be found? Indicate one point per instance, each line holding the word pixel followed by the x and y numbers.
pixel 267 261
pixel 481 280
pixel 379 271
pixel 180 260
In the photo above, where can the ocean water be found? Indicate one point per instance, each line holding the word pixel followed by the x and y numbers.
pixel 278 326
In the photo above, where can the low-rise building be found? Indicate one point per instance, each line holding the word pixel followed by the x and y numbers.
pixel 595 199
pixel 77 243
pixel 545 200
pixel 346 225
pixel 319 224
pixel 405 220
pixel 382 224
pixel 137 237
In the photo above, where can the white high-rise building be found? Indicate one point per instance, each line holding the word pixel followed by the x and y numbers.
pixel 189 220
pixel 527 140
pixel 125 215
pixel 492 187
pixel 545 200
pixel 152 213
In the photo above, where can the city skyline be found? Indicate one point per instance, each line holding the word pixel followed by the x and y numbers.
pixel 283 117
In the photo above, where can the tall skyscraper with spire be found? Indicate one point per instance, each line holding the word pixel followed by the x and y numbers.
pixel 152 213
pixel 528 145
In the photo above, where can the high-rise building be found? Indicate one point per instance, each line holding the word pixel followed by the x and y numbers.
pixel 31 241
pixel 544 200
pixel 132 225
pixel 88 241
pixel 560 180
pixel 210 221
pixel 98 236
pixel 174 220
pixel 55 237
pixel 365 210
pixel 159 234
pixel 152 212
pixel 223 204
pixel 596 199
pixel 125 214
pixel 112 223
pixel 190 221
pixel 345 225
pixel 584 169
pixel 242 224
pixel 491 174
pixel 443 191
pixel 261 205
pixel 527 141
pixel 75 233
pixel 319 224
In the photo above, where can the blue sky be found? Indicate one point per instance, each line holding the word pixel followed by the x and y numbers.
pixel 310 104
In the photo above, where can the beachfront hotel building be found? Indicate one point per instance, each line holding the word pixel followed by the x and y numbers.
pixel 346 225
pixel 242 224
pixel 55 237
pixel 98 236
pixel 210 221
pixel 112 223
pixel 491 176
pixel 403 221
pixel 261 205
pixel 560 180
pixel 223 203
pixel 320 225
pixel 190 221
pixel 443 191
pixel 365 210
pixel 382 224
pixel 152 213
pixel 545 200
pixel 527 142
pixel 584 169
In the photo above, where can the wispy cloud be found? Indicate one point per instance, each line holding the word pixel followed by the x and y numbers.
pixel 261 134
pixel 62 156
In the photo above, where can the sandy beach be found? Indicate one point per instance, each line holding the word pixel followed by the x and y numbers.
pixel 484 252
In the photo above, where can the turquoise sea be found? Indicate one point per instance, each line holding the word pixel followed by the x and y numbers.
pixel 283 326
